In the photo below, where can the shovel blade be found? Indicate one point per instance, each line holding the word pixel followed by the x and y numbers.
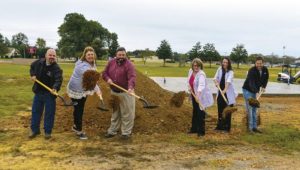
pixel 150 106
pixel 67 103
pixel 102 108
pixel 146 104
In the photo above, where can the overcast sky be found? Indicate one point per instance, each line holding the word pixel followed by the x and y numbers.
pixel 263 26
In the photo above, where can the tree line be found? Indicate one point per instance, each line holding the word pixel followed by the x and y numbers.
pixel 76 32
pixel 208 53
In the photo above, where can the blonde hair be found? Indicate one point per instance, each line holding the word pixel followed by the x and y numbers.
pixel 87 49
pixel 198 62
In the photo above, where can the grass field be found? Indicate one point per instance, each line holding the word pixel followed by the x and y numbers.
pixel 277 148
pixel 157 70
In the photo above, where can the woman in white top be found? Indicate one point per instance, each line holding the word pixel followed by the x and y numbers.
pixel 224 79
pixel 197 84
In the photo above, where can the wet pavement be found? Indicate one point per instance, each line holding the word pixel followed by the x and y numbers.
pixel 177 84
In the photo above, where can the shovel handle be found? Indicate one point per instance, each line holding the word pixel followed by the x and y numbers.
pixel 201 106
pixel 46 87
pixel 101 98
pixel 222 93
pixel 259 94
pixel 121 88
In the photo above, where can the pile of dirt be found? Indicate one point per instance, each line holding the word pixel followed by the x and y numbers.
pixel 165 119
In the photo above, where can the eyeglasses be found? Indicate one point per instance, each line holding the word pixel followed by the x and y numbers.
pixel 195 65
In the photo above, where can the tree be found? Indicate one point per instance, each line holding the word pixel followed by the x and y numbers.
pixel 41 47
pixel 113 44
pixel 195 52
pixel 180 58
pixel 164 51
pixel 20 42
pixel 144 54
pixel 3 46
pixel 239 54
pixel 40 43
pixel 273 59
pixel 209 53
pixel 97 44
pixel 76 33
pixel 7 42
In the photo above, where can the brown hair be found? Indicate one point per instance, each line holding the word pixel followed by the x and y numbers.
pixel 198 62
pixel 87 49
pixel 229 63
pixel 120 49
pixel 259 58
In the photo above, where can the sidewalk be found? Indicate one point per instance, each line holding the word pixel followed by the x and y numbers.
pixel 177 84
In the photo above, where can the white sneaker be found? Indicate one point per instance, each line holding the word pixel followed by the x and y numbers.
pixel 82 136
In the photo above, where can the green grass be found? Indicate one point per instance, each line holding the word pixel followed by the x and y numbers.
pixel 16 86
pixel 279 136
pixel 15 96
pixel 151 69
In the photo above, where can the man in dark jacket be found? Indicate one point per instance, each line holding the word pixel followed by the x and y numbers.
pixel 257 79
pixel 48 72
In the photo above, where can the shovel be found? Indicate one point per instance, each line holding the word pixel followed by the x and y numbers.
pixel 228 109
pixel 56 94
pixel 102 105
pixel 145 102
pixel 254 102
pixel 200 104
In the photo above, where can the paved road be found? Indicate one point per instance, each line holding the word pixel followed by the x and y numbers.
pixel 177 84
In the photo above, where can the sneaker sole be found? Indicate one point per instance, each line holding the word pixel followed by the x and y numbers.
pixel 83 138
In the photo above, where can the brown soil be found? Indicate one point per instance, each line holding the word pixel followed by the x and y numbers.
pixel 178 99
pixel 89 79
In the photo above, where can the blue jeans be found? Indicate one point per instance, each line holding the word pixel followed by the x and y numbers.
pixel 40 101
pixel 250 110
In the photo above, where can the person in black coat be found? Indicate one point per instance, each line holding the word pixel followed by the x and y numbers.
pixel 257 79
pixel 48 72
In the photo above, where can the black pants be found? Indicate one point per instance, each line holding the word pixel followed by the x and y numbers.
pixel 198 119
pixel 78 112
pixel 223 123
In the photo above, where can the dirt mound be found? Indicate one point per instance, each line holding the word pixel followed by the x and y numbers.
pixel 164 119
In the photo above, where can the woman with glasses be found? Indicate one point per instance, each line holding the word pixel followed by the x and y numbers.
pixel 201 96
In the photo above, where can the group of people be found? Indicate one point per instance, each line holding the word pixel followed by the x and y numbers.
pixel 118 71
pixel 121 72
pixel 256 81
